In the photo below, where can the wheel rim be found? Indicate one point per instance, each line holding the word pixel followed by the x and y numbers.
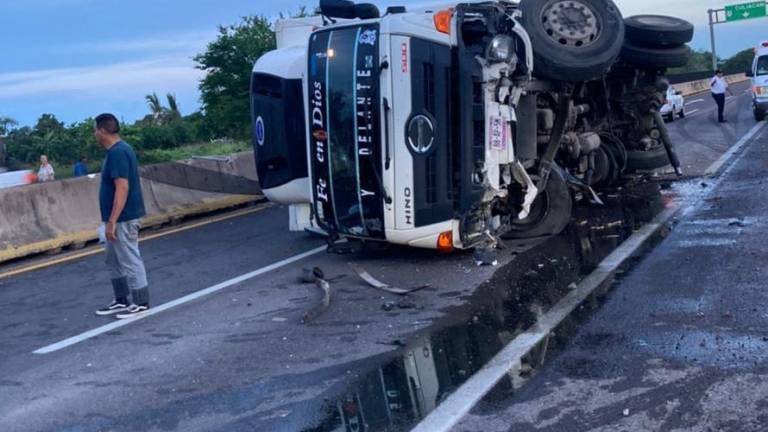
pixel 570 23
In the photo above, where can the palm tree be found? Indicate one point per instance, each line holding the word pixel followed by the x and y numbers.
pixel 173 107
pixel 155 107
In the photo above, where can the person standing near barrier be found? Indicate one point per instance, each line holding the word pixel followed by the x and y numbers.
pixel 45 173
pixel 81 167
pixel 122 207
pixel 719 86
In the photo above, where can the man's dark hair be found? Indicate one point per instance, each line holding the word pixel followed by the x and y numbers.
pixel 718 72
pixel 108 123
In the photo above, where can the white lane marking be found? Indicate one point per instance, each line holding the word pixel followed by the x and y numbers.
pixel 692 112
pixel 449 413
pixel 710 223
pixel 457 405
pixel 708 242
pixel 695 101
pixel 187 298
pixel 715 167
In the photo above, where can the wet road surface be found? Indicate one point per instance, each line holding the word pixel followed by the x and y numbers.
pixel 240 359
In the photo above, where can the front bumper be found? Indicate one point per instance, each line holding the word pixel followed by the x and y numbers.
pixel 761 104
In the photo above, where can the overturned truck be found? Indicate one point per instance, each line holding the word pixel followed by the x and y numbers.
pixel 454 128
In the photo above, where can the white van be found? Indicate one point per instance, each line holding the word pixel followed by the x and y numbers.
pixel 759 74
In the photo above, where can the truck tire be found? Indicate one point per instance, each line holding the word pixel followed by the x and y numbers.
pixel 573 40
pixel 759 115
pixel 550 212
pixel 658 30
pixel 647 160
pixel 654 57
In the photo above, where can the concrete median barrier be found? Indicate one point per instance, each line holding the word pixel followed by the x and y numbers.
pixel 47 216
pixel 701 86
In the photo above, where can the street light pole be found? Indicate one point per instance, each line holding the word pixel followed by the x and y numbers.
pixel 712 37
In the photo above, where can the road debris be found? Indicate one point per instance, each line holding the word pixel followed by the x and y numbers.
pixel 375 283
pixel 309 276
pixel 485 257
pixel 738 223
pixel 406 303
pixel 316 276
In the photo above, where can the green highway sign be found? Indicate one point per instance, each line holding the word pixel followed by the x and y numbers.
pixel 745 11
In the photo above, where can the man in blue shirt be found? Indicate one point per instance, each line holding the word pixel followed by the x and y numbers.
pixel 81 167
pixel 122 207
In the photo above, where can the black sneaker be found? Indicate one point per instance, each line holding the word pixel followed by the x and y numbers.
pixel 112 308
pixel 133 310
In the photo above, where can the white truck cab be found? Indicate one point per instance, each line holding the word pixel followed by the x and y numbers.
pixel 452 126
pixel 759 74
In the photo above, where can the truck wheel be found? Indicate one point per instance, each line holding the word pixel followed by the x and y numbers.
pixel 550 212
pixel 573 40
pixel 658 30
pixel 647 160
pixel 759 115
pixel 655 58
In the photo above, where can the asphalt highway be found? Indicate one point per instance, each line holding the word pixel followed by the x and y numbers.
pixel 226 349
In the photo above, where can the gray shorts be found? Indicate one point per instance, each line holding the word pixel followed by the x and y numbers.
pixel 123 256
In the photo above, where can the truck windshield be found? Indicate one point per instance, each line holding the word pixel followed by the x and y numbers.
pixel 762 65
pixel 344 124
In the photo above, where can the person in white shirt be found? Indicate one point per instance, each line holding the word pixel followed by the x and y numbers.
pixel 719 86
pixel 45 173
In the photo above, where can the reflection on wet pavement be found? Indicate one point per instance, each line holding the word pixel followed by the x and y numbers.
pixel 394 396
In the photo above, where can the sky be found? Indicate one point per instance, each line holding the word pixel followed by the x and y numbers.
pixel 78 58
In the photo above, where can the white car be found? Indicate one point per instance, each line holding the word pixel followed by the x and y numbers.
pixel 674 104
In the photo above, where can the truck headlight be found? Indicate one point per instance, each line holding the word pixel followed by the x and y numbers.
pixel 501 49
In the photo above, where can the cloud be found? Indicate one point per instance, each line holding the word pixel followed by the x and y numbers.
pixel 108 80
pixel 181 43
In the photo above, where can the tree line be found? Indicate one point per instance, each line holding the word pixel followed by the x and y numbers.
pixel 701 61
